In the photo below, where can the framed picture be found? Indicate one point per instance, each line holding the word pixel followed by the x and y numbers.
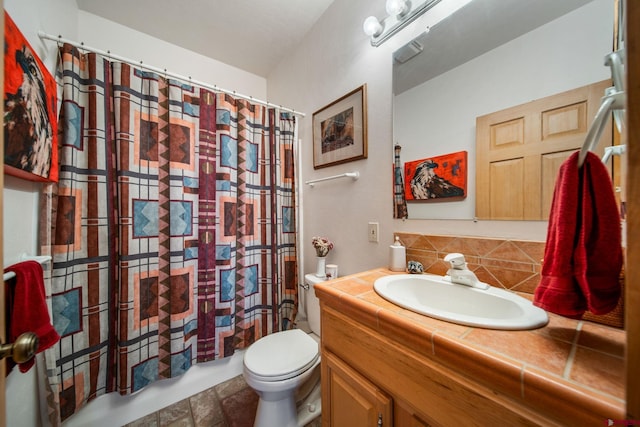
pixel 438 178
pixel 30 125
pixel 340 130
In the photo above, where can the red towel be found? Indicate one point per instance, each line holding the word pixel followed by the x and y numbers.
pixel 27 307
pixel 583 252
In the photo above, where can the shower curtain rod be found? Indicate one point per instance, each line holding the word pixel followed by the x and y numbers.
pixel 164 71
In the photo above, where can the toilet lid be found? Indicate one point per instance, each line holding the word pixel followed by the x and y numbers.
pixel 281 355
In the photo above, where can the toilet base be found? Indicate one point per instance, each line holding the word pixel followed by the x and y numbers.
pixel 276 413
pixel 311 407
pixel 285 413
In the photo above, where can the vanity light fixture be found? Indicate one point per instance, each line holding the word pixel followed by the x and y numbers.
pixel 372 27
pixel 401 13
pixel 397 7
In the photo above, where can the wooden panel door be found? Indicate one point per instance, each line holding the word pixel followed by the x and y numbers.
pixel 350 400
pixel 519 151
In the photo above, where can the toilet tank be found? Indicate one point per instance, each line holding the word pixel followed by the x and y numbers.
pixel 312 302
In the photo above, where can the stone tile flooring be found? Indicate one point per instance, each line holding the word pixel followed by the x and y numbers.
pixel 230 404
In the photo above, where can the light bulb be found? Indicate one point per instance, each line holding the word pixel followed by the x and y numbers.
pixel 372 26
pixel 397 7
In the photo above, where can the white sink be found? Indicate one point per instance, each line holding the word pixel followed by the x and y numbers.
pixel 433 296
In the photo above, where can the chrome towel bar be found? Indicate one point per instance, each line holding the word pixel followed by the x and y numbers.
pixel 42 259
pixel 355 175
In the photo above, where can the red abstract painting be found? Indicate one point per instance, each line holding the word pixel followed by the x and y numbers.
pixel 30 125
pixel 436 178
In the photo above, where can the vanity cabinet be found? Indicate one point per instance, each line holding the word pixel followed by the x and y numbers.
pixel 366 374
pixel 379 359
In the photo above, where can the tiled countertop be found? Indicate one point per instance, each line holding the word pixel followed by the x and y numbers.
pixel 572 363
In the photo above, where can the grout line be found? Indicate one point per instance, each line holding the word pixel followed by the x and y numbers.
pixel 466 333
pixel 572 353
pixel 193 422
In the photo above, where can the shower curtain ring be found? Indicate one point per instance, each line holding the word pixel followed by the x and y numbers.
pixel 60 47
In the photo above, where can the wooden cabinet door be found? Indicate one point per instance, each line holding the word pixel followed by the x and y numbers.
pixel 520 149
pixel 349 399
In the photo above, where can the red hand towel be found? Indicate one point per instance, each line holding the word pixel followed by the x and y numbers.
pixel 583 252
pixel 598 258
pixel 28 309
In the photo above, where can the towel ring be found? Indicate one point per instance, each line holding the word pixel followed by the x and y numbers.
pixel 611 101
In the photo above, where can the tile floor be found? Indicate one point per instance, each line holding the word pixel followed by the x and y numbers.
pixel 229 404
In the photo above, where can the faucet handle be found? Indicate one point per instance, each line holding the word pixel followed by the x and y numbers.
pixel 457 261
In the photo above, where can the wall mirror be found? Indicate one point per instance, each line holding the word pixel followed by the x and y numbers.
pixel 488 56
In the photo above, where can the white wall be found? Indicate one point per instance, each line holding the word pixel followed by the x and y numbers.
pixel 106 35
pixel 334 58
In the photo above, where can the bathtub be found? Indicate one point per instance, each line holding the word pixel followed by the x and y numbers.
pixel 115 410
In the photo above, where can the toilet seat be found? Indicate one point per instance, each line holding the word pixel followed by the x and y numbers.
pixel 281 355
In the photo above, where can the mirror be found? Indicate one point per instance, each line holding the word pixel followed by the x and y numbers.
pixel 488 56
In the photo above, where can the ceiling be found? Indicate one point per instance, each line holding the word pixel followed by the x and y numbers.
pixel 253 35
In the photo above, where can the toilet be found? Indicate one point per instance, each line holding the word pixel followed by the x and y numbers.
pixel 283 368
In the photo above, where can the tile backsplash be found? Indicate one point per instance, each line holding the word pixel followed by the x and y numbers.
pixel 510 264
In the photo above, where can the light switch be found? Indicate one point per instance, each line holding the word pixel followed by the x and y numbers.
pixel 372 231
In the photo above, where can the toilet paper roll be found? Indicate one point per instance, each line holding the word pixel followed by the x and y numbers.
pixel 332 271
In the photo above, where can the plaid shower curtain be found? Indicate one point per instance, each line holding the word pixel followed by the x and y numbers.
pixel 172 229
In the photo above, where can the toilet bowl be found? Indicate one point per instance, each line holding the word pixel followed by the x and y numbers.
pixel 279 366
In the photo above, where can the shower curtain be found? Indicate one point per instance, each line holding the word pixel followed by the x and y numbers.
pixel 172 229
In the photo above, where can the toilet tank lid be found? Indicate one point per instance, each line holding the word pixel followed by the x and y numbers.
pixel 312 279
pixel 281 353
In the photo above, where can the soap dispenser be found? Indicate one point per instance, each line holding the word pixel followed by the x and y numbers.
pixel 397 256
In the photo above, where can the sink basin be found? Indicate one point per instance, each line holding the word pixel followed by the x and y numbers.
pixel 436 297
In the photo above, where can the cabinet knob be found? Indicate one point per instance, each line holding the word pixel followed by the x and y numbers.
pixel 379 420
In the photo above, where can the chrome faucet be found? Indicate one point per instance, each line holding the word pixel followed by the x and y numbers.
pixel 459 272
